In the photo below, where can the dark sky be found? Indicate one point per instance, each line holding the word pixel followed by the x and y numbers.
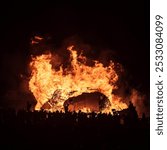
pixel 121 26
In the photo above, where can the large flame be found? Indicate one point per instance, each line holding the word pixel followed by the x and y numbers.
pixel 56 86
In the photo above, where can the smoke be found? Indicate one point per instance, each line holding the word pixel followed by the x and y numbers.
pixel 138 101
pixel 14 79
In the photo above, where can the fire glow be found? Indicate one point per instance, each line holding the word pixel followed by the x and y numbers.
pixel 54 87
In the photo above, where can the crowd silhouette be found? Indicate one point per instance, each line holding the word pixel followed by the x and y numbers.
pixel 27 129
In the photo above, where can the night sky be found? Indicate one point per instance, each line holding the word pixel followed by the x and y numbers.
pixel 121 27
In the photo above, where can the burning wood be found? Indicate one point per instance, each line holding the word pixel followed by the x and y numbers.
pixel 52 87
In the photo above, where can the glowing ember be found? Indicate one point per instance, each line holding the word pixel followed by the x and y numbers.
pixel 36 40
pixel 54 87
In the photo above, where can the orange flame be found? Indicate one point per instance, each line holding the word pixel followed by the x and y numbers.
pixel 36 40
pixel 48 84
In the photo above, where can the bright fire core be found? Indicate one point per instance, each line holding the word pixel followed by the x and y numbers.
pixel 57 86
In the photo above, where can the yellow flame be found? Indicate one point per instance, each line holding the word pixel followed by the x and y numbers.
pixel 46 83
